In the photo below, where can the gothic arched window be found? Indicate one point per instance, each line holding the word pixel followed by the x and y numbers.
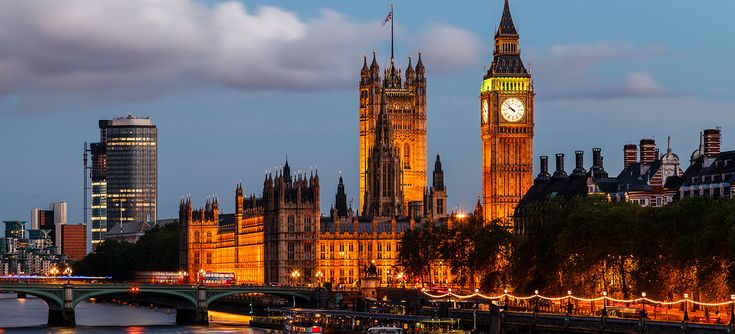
pixel 307 224
pixel 406 156
pixel 196 236
pixel 291 224
pixel 209 236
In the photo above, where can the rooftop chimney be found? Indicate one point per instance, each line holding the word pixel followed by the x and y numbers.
pixel 559 173
pixel 597 157
pixel 648 151
pixel 630 156
pixel 544 175
pixel 597 170
pixel 711 143
pixel 579 170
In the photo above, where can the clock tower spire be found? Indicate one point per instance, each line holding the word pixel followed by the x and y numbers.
pixel 506 125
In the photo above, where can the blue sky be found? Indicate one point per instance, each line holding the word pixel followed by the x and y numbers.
pixel 234 87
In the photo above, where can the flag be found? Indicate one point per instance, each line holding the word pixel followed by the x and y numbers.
pixel 389 17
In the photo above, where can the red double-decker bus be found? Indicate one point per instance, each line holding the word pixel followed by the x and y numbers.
pixel 215 278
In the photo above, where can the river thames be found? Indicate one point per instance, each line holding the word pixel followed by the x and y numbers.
pixel 29 316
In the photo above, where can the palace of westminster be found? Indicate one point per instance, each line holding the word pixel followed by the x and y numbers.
pixel 281 236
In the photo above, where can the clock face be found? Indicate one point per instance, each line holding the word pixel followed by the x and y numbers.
pixel 485 111
pixel 512 109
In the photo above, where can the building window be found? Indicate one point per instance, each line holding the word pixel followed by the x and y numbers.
pixel 209 258
pixel 196 236
pixel 209 237
pixel 406 156
pixel 291 224
pixel 307 251
pixel 196 257
pixel 322 254
pixel 440 206
pixel 307 224
pixel 291 251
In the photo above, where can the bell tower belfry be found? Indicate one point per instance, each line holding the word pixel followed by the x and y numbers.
pixel 506 125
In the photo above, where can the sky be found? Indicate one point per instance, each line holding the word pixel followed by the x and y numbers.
pixel 236 86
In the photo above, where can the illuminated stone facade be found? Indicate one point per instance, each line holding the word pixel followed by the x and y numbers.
pixel 281 237
pixel 405 103
pixel 506 125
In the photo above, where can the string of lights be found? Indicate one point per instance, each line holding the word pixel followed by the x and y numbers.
pixel 569 296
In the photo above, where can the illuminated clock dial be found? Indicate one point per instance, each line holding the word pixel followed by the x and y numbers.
pixel 485 111
pixel 512 109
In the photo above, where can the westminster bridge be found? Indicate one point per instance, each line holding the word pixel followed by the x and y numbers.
pixel 192 301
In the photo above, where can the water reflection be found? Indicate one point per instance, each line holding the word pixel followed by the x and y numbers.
pixel 30 315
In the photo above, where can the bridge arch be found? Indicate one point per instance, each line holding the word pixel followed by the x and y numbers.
pixel 54 301
pixel 214 296
pixel 84 295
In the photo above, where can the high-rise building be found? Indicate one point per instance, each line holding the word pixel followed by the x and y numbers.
pixel 506 125
pixel 124 176
pixel 51 220
pixel 74 241
pixel 405 104
pixel 98 176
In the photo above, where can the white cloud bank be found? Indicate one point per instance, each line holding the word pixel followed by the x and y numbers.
pixel 124 48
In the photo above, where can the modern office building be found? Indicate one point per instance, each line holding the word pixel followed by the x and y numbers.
pixel 50 220
pixel 74 241
pixel 98 177
pixel 124 176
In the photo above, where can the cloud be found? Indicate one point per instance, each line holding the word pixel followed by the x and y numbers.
pixel 570 72
pixel 138 49
pixel 448 48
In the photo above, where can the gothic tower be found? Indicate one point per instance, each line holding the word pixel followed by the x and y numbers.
pixel 383 195
pixel 406 108
pixel 506 125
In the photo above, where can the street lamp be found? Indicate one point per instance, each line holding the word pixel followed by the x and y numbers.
pixel 604 303
pixel 535 307
pixel 67 271
pixel 643 300
pixel 686 307
pixel 569 301
pixel 732 308
pixel 449 294
pixel 474 312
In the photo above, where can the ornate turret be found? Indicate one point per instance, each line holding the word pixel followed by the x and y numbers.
pixel 507 54
pixel 239 202
pixel 410 75
pixel 340 199
pixel 438 183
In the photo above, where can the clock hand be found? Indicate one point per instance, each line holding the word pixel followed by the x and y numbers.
pixel 511 108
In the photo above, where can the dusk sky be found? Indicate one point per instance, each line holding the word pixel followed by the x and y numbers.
pixel 236 86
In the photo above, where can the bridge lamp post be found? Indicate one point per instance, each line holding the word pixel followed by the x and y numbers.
pixel 604 303
pixel 686 307
pixel 643 300
pixel 474 312
pixel 732 308
pixel 569 301
pixel 295 276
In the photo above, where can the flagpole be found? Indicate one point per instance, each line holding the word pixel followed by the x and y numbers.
pixel 392 17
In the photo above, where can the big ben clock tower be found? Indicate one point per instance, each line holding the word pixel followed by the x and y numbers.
pixel 506 125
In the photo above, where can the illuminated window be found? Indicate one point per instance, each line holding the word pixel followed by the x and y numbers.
pixel 209 258
pixel 196 236
pixel 209 236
